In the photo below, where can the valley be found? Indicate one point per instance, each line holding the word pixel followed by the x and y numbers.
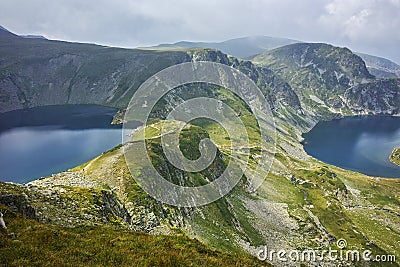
pixel 302 202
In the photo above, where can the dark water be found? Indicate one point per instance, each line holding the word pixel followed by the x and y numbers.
pixel 45 140
pixel 361 144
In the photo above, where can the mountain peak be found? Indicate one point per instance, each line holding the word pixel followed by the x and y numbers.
pixel 4 33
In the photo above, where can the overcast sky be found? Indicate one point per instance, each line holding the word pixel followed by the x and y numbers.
pixel 371 26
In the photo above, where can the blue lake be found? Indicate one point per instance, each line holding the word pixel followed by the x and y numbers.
pixel 361 144
pixel 41 141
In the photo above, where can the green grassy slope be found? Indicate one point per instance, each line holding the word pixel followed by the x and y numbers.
pixel 30 243
pixel 303 203
pixel 318 203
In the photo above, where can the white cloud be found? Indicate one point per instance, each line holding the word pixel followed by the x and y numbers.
pixel 365 25
pixel 364 20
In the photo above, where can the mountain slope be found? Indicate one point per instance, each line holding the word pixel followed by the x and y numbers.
pixel 244 47
pixel 37 72
pixel 303 203
pixel 250 47
pixel 104 245
pixel 381 67
pixel 5 34
pixel 328 79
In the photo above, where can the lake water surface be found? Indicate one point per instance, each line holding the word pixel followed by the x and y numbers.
pixel 361 144
pixel 45 140
pixel 41 141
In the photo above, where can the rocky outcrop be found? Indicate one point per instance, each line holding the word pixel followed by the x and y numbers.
pixel 66 206
pixel 110 207
pixel 377 97
pixel 331 81
pixel 19 203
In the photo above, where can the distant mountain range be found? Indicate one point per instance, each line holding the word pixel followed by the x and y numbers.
pixel 29 36
pixel 249 47
pixel 6 33
pixel 244 47
pixel 381 67
pixel 37 71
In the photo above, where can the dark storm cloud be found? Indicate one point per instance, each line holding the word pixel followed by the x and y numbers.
pixel 365 25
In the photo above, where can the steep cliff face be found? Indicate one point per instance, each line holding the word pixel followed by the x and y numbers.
pixel 331 80
pixel 64 205
pixel 278 92
pixel 40 72
pixel 315 80
pixel 36 72
pixel 316 64
pixel 377 97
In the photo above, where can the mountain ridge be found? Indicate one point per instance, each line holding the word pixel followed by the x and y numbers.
pixel 243 47
pixel 302 203
pixel 381 67
pixel 329 79
pixel 252 46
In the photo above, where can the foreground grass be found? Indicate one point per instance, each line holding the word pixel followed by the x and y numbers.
pixel 37 244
